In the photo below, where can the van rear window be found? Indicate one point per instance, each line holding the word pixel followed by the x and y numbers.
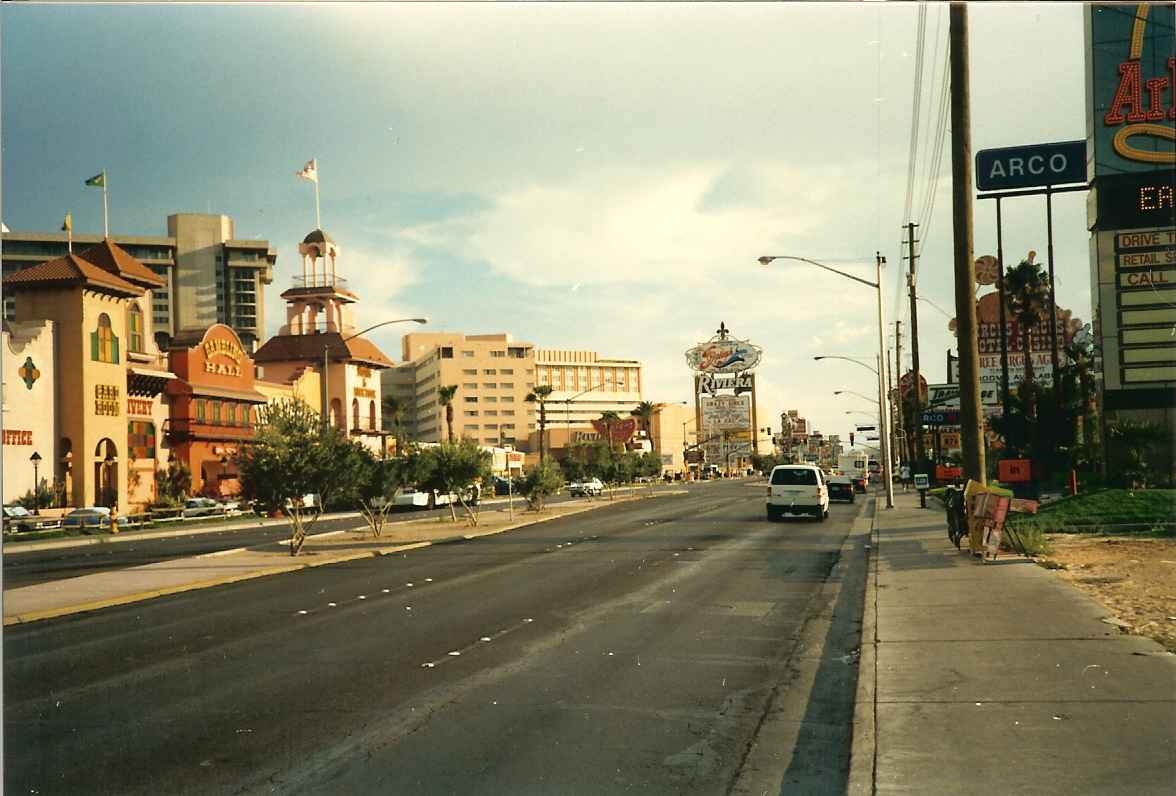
pixel 800 477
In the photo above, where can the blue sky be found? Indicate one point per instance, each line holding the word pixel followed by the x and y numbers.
pixel 582 176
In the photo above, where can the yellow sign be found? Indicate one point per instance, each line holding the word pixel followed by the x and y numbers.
pixel 106 400
pixel 225 348
pixel 364 392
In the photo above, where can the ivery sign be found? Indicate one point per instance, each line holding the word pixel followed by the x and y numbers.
pixel 1031 166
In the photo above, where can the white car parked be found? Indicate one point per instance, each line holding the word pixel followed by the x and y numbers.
pixel 588 488
pixel 797 489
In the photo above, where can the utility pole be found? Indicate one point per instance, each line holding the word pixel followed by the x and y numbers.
pixel 971 420
pixel 903 449
pixel 920 454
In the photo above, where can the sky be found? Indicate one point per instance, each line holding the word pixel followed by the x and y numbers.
pixel 587 176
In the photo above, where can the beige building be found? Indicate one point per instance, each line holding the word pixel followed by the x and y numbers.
pixel 672 429
pixel 29 401
pixel 210 276
pixel 493 374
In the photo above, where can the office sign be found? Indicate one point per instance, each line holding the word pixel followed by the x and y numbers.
pixel 1032 166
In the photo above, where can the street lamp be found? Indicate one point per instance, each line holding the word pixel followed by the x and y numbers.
pixel 36 460
pixel 879 261
pixel 854 360
pixel 851 392
pixel 326 347
pixel 509 477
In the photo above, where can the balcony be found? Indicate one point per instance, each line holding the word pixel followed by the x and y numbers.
pixel 320 281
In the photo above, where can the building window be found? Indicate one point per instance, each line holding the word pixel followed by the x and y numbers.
pixel 214 412
pixel 507 385
pixel 490 399
pixel 471 427
pixel 104 342
pixel 372 415
pixel 447 352
pixel 355 413
pixel 470 386
pixel 489 386
pixel 507 399
pixel 470 399
pixel 467 354
pixel 227 413
pixel 243 415
pixel 491 411
pixel 491 426
pixel 508 425
pixel 471 372
pixel 506 371
pixel 508 412
pixel 141 439
pixel 498 354
pixel 135 329
pixel 471 414
pixel 200 410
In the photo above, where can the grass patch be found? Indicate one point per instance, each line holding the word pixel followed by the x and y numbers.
pixel 1033 539
pixel 1139 511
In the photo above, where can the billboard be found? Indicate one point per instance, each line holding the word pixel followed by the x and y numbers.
pixel 1129 119
pixel 723 356
pixel 725 412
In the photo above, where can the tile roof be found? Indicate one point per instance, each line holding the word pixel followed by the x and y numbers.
pixel 111 257
pixel 71 270
pixel 309 347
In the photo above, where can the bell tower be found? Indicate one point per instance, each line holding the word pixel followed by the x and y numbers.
pixel 319 301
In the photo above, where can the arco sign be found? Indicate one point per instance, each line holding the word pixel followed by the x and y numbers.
pixel 1031 166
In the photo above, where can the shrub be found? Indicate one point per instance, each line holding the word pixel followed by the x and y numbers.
pixel 543 480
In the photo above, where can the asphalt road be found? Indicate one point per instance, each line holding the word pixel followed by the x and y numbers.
pixel 26 568
pixel 639 648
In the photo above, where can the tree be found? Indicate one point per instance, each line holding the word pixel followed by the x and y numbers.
pixel 541 481
pixel 644 413
pixel 1027 292
pixel 454 468
pixel 173 485
pixel 445 397
pixel 1133 442
pixel 377 486
pixel 540 395
pixel 393 411
pixel 609 419
pixel 294 454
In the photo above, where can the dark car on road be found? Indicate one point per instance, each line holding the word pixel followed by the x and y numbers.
pixel 841 488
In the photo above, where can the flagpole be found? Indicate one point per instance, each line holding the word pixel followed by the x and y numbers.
pixel 318 224
pixel 105 209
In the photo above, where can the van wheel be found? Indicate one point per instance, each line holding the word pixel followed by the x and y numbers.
pixel 773 515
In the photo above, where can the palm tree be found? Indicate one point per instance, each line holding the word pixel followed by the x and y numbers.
pixel 393 409
pixel 1027 293
pixel 644 412
pixel 610 419
pixel 539 395
pixel 445 397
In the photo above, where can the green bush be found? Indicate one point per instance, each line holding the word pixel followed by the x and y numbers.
pixel 543 480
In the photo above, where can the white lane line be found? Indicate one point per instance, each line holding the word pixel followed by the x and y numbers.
pixel 482 640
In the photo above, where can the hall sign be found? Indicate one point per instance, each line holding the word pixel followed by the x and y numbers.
pixel 711 383
pixel 1031 166
pixel 222 348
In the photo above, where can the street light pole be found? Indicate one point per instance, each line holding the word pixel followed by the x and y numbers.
pixel 325 414
pixel 36 460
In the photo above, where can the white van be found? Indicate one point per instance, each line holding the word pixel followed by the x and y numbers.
pixel 797 489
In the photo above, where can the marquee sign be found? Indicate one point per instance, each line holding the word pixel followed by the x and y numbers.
pixel 710 384
pixel 1130 78
pixel 723 356
pixel 726 412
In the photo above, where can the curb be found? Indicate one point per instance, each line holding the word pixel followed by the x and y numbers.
pixel 125 599
pixel 863 754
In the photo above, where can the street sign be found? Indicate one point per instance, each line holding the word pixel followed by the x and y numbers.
pixel 947 417
pixel 921 481
pixel 694 456
pixel 1031 166
pixel 867 428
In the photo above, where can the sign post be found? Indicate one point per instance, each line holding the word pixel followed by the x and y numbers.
pixel 922 483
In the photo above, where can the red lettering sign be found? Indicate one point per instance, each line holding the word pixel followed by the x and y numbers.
pixel 13 436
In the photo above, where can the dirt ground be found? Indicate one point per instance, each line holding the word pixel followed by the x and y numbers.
pixel 1134 578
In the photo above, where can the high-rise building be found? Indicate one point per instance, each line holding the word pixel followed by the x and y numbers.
pixel 493 374
pixel 211 276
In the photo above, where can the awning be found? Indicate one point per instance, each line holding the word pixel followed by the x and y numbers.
pixel 146 381
pixel 207 390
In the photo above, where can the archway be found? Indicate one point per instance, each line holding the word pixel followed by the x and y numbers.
pixel 106 473
pixel 355 413
pixel 372 415
pixel 66 471
pixel 337 418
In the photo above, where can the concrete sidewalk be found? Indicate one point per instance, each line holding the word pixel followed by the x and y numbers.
pixel 122 586
pixel 999 677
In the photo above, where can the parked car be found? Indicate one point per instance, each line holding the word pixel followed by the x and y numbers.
pixel 201 507
pixel 311 502
pixel 589 488
pixel 841 488
pixel 88 517
pixel 414 498
pixel 797 489
pixel 18 518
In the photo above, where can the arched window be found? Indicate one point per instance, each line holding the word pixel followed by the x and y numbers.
pixel 355 413
pixel 243 415
pixel 337 417
pixel 372 415
pixel 228 413
pixel 104 342
pixel 135 329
